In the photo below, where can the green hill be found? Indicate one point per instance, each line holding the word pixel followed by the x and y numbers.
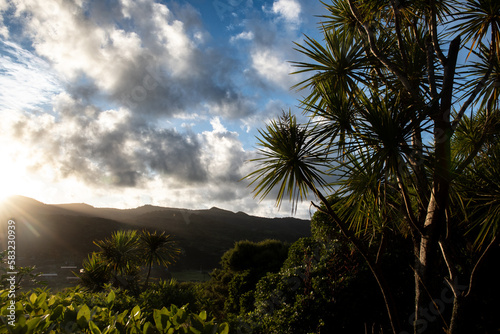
pixel 55 236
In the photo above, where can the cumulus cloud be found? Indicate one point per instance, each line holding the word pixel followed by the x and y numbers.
pixel 270 65
pixel 246 35
pixel 288 10
pixel 139 53
pixel 107 148
pixel 223 154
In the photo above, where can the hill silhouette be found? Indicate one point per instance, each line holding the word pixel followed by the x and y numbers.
pixel 51 236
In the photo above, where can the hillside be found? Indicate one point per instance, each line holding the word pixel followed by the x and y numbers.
pixel 51 236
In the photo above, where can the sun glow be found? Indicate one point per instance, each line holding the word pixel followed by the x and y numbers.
pixel 14 178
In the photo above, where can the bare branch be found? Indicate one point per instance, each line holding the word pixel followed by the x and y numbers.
pixel 430 66
pixel 479 262
pixel 397 20
pixel 409 210
pixel 434 35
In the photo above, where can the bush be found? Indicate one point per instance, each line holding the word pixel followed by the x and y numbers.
pixel 230 291
pixel 76 312
pixel 322 287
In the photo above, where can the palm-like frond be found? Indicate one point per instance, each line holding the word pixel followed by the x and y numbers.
pixel 490 91
pixel 120 251
pixel 341 19
pixel 95 273
pixel 483 190
pixel 158 247
pixel 386 127
pixel 477 19
pixel 340 64
pixel 334 122
pixel 367 195
pixel 291 161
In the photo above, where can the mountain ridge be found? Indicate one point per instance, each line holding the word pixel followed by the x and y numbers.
pixel 48 235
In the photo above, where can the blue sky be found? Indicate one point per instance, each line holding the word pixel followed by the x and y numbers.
pixel 123 103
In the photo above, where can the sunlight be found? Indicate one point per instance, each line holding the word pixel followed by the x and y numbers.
pixel 13 175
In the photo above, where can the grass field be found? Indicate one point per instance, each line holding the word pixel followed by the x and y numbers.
pixel 191 276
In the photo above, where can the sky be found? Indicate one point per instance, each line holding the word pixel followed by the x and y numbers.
pixel 122 103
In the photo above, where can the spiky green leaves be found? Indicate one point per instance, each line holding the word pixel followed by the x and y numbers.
pixel 291 161
pixel 158 247
pixel 478 19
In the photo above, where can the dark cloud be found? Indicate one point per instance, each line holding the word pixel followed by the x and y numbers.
pixel 149 89
pixel 125 154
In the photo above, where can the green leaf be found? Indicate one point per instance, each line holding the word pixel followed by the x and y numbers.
pixel 203 315
pixel 20 326
pixel 225 328
pixel 83 316
pixel 93 328
pixel 33 298
pixel 161 319
pixel 136 312
pixel 148 328
pixel 194 330
pixel 110 298
pixel 31 324
pixel 56 312
pixel 39 301
pixel 52 300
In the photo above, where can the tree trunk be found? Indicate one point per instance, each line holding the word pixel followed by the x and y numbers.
pixel 435 221
pixel 147 277
pixel 456 314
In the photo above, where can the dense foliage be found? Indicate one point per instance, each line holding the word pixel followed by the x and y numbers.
pixel 112 312
pixel 403 106
pixel 123 256
pixel 230 291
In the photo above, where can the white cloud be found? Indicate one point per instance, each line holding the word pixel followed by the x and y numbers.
pixel 222 153
pixel 246 35
pixel 272 67
pixel 4 31
pixel 288 10
pixel 78 45
pixel 217 125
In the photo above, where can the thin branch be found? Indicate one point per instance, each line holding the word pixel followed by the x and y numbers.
pixel 397 20
pixel 430 66
pixel 380 249
pixel 376 52
pixel 447 259
pixel 434 35
pixel 384 288
pixel 409 210
pixel 479 262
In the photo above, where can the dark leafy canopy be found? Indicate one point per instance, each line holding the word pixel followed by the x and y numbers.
pixel 404 108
